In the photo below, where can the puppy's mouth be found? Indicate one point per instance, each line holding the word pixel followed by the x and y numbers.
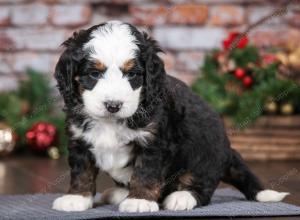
pixel 110 115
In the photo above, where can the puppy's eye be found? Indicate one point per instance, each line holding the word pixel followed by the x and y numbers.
pixel 95 74
pixel 131 74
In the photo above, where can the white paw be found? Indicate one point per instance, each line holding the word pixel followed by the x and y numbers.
pixel 114 195
pixel 72 203
pixel 180 200
pixel 138 205
pixel 270 196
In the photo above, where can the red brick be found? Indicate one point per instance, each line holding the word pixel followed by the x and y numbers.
pixel 175 65
pixel 189 38
pixel 169 61
pixel 187 14
pixel 189 60
pixel 33 38
pixel 100 16
pixel 269 37
pixel 8 83
pixel 218 1
pixel 31 14
pixel 149 15
pixel 70 15
pixel 5 65
pixel 44 62
pixel 13 1
pixel 177 14
pixel 4 16
pixel 19 62
pixel 258 12
pixel 6 43
pixel 293 19
pixel 225 15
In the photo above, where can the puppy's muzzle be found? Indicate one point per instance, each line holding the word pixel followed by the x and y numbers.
pixel 113 106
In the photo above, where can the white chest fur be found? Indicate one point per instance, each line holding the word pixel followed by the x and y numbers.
pixel 111 146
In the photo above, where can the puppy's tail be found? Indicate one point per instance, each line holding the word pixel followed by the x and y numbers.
pixel 240 176
pixel 270 196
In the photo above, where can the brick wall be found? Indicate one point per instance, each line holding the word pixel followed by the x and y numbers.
pixel 31 30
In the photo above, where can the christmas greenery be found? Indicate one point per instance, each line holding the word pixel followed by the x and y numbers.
pixel 239 82
pixel 31 103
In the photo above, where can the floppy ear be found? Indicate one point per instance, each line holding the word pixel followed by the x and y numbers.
pixel 66 70
pixel 155 71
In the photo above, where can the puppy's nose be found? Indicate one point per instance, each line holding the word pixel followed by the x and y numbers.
pixel 113 106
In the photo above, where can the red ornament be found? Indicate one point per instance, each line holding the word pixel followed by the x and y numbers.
pixel 247 81
pixel 239 73
pixel 269 59
pixel 41 136
pixel 243 41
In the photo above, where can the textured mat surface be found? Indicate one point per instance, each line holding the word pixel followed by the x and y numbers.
pixel 225 202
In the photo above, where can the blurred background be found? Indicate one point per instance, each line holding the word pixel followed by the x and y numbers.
pixel 242 56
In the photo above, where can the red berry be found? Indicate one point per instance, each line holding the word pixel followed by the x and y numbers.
pixel 41 136
pixel 241 43
pixel 239 73
pixel 247 81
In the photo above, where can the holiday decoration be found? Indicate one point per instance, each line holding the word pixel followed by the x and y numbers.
pixel 243 92
pixel 233 87
pixel 239 73
pixel 289 58
pixel 270 107
pixel 53 153
pixel 41 136
pixel 287 109
pixel 247 81
pixel 234 37
pixel 268 59
pixel 7 139
pixel 32 114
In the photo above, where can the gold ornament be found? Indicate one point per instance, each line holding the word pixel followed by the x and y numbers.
pixel 7 140
pixel 53 153
pixel 294 60
pixel 290 57
pixel 270 107
pixel 283 58
pixel 287 109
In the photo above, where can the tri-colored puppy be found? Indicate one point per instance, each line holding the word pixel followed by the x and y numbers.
pixel 156 138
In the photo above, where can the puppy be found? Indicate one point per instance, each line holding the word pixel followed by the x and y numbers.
pixel 155 137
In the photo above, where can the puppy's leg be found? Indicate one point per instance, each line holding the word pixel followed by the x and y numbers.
pixel 193 190
pixel 142 197
pixel 83 187
pixel 240 176
pixel 145 184
pixel 114 195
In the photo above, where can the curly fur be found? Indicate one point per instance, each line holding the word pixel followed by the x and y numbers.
pixel 174 140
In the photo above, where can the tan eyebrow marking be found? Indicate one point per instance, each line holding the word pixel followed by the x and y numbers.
pixel 128 65
pixel 100 66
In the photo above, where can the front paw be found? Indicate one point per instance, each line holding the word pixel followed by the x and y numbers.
pixel 73 203
pixel 138 205
pixel 180 200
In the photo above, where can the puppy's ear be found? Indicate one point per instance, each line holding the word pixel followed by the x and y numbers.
pixel 154 67
pixel 67 68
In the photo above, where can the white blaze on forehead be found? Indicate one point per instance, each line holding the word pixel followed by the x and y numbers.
pixel 112 43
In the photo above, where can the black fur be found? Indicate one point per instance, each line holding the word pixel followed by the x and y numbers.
pixel 189 137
